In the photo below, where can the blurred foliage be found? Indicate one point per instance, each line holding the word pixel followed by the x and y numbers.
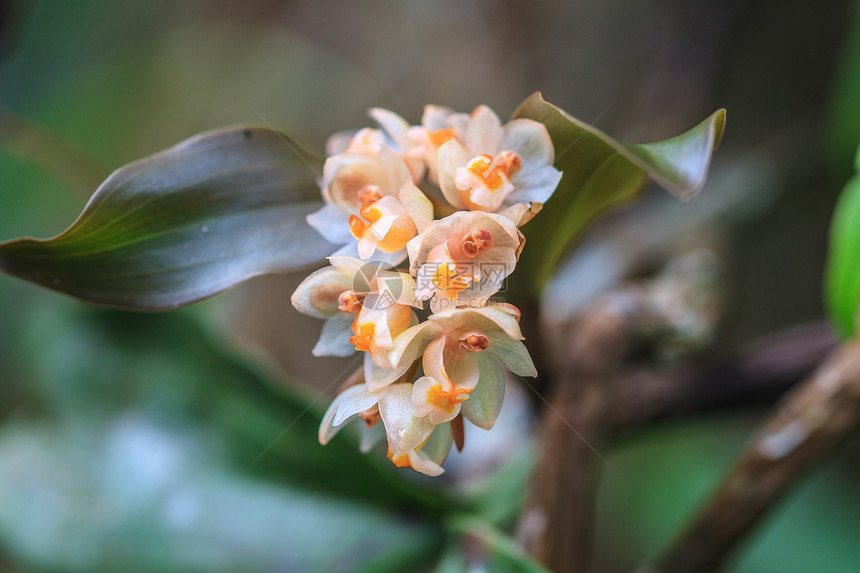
pixel 842 280
pixel 660 476
pixel 157 450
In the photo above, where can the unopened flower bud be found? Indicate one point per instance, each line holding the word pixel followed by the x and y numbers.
pixel 369 194
pixel 474 342
pixel 476 241
pixel 350 302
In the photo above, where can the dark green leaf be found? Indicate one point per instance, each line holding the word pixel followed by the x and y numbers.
pixel 184 224
pixel 842 278
pixel 601 172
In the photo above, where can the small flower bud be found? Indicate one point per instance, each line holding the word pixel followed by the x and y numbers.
pixel 476 241
pixel 369 194
pixel 474 342
pixel 510 161
pixel 350 302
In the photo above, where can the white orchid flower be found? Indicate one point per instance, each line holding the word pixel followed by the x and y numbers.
pixel 463 258
pixel 461 350
pixel 487 166
pixel 372 206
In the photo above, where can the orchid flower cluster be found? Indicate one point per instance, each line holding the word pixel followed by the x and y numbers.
pixel 449 195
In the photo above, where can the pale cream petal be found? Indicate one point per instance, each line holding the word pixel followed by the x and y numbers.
pixel 392 124
pixel 421 406
pixel 338 142
pixel 377 378
pixel 353 403
pixel 450 156
pixel 531 141
pixel 348 266
pixel 318 294
pixel 484 134
pixel 405 431
pixel 352 395
pixel 521 213
pixel 535 187
pixel 396 170
pixel 346 173
pixel 435 117
pixel 410 344
pixel 366 246
pixel 427 467
pixel 417 205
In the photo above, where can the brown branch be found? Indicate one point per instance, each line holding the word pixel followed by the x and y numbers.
pixel 757 376
pixel 811 421
pixel 557 526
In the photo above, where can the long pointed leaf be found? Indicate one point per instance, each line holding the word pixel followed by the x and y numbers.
pixel 183 224
pixel 601 172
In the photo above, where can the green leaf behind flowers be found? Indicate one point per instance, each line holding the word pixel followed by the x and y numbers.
pixel 601 173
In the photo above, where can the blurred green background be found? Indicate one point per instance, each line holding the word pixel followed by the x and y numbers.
pixel 187 441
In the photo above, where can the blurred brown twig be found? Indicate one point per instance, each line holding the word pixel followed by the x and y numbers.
pixel 807 426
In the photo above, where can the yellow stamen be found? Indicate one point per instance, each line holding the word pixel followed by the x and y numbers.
pixel 449 280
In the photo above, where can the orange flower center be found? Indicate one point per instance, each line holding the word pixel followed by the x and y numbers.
pixel 363 335
pixel 450 281
pixel 440 136
pixel 445 400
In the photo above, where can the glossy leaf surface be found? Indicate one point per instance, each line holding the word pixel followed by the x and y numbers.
pixel 184 224
pixel 601 172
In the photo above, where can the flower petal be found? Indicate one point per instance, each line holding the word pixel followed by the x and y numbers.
pixel 334 337
pixel 450 156
pixel 485 402
pixel 396 171
pixel 530 140
pixel 318 294
pixel 405 431
pixel 521 213
pixel 328 427
pixel 417 204
pixel 421 464
pixel 338 142
pixel 410 344
pixel 435 117
pixel 377 377
pixel 484 134
pixel 535 187
pixel 332 223
pixel 349 266
pixel 354 403
pixel 392 124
